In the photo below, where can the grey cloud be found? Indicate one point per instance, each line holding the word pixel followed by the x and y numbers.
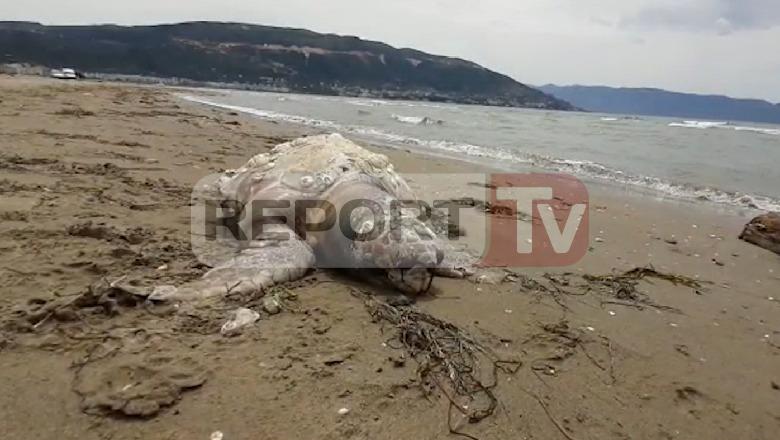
pixel 715 16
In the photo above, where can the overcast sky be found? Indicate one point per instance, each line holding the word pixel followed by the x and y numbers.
pixel 706 46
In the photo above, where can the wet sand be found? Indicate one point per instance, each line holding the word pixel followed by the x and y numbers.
pixel 95 181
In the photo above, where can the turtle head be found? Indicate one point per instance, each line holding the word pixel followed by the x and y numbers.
pixel 377 231
pixel 408 252
pixel 414 281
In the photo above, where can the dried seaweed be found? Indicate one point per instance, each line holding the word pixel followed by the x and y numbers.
pixel 625 291
pixel 620 289
pixel 448 357
pixel 556 286
pixel 74 111
pixel 640 273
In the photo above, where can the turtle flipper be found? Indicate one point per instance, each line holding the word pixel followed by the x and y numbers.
pixel 260 265
pixel 456 262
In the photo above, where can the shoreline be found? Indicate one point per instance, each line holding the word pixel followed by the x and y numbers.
pixel 95 183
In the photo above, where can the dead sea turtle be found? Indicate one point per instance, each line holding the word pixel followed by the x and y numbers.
pixel 321 168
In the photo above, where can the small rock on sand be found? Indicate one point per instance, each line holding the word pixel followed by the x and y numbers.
pixel 764 231
pixel 271 305
pixel 239 319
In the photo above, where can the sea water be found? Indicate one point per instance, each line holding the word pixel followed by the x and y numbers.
pixel 732 164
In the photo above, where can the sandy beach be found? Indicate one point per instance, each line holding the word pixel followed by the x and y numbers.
pixel 95 184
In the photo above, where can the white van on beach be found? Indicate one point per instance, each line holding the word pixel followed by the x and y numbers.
pixel 65 73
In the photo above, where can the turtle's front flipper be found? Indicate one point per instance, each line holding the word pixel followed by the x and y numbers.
pixel 264 263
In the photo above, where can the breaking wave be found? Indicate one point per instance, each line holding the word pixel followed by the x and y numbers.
pixel 417 120
pixel 726 125
pixel 699 124
pixel 770 131
pixel 361 103
pixel 621 118
pixel 581 168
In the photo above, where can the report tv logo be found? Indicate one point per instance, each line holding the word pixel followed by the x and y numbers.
pixel 559 225
pixel 504 220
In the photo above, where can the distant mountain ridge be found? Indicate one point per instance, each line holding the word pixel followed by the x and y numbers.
pixel 657 102
pixel 268 57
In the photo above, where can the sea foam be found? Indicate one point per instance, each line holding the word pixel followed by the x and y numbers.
pixel 725 125
pixel 417 120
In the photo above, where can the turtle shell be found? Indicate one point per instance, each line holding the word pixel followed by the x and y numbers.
pixel 310 167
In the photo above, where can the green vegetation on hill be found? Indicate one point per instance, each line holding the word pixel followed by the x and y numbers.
pixel 268 57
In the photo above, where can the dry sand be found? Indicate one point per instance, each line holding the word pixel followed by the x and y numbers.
pixel 682 362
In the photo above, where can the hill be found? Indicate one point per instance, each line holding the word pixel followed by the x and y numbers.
pixel 267 57
pixel 656 102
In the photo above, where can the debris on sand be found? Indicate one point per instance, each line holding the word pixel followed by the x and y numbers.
pixel 558 342
pixel 109 295
pixel 107 169
pixel 764 231
pixel 14 216
pixel 74 111
pixel 101 231
pixel 449 358
pixel 272 305
pixel 639 273
pixel 103 294
pixel 624 287
pixel 19 163
pixel 91 230
pixel 620 289
pixel 483 185
pixel 484 206
pixel 133 386
pixel 239 319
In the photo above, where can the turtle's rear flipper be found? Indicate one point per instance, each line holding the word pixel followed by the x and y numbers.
pixel 259 266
